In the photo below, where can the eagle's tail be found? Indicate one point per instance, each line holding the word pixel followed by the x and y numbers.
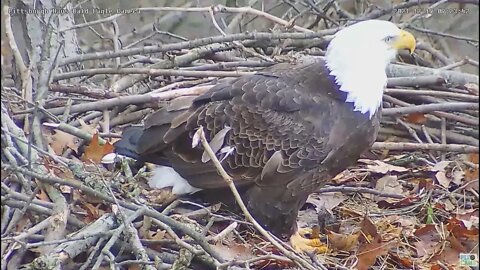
pixel 127 146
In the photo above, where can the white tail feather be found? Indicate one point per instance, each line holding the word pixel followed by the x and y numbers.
pixel 163 176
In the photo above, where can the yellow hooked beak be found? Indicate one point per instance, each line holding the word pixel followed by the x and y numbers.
pixel 405 41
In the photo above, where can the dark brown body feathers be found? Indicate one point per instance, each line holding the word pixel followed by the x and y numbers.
pixel 291 129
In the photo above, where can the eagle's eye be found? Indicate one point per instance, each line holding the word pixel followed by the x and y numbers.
pixel 389 38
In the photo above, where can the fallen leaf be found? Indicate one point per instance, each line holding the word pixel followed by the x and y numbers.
pixel 404 261
pixel 155 236
pixel 233 251
pixel 66 189
pixel 158 196
pixel 459 230
pixel 456 244
pixel 406 221
pixel 60 141
pixel 398 204
pixel 344 176
pixel 446 205
pixel 94 152
pixel 23 223
pixel 442 179
pixel 369 252
pixel 342 242
pixel 42 195
pixel 457 177
pixel 469 218
pixel 471 174
pixel 383 168
pixel 448 256
pixel 369 230
pixel 93 212
pixel 388 184
pixel 388 227
pixel 415 118
pixel 424 185
pixel 327 200
pixel 429 240
pixel 473 157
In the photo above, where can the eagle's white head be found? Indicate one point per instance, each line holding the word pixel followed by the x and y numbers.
pixel 358 55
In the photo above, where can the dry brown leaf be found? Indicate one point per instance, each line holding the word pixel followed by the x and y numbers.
pixel 23 223
pixel 42 195
pixel 446 205
pixel 60 141
pixel 429 240
pixel 94 152
pixel 155 235
pixel 381 167
pixel 473 185
pixel 424 185
pixel 448 256
pixel 344 177
pixel 234 251
pixel 369 252
pixel 388 184
pixel 404 261
pixel 459 230
pixel 473 157
pixel 93 212
pixel 369 230
pixel 398 204
pixel 342 242
pixel 456 244
pixel 327 200
pixel 60 172
pixel 399 225
pixel 388 227
pixel 472 173
pixel 469 218
pixel 406 221
pixel 158 235
pixel 415 118
pixel 159 196
pixel 442 179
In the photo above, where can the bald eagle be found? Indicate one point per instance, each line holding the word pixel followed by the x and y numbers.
pixel 282 132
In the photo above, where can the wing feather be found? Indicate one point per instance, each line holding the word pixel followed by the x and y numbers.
pixel 279 124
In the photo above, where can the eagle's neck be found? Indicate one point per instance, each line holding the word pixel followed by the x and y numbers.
pixel 362 78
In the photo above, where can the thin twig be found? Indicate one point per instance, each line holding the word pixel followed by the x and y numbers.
pixel 426 108
pixel 460 148
pixel 150 72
